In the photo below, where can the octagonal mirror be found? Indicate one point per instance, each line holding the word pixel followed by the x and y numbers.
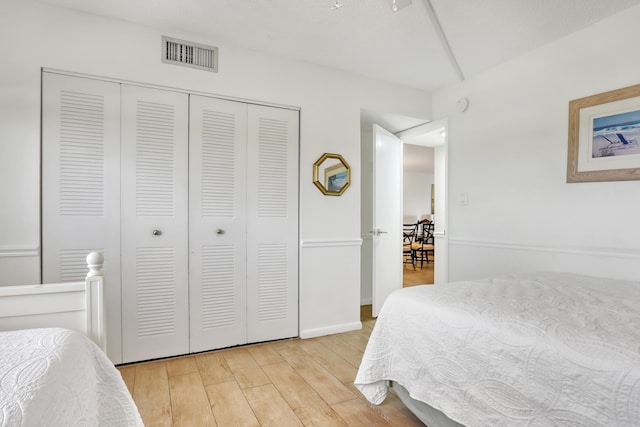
pixel 331 174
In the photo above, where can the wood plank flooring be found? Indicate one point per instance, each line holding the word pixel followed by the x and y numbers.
pixel 284 383
pixel 419 276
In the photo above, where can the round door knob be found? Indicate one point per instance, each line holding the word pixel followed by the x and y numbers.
pixel 157 232
pixel 219 231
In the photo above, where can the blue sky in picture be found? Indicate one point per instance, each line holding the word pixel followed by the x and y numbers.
pixel 616 120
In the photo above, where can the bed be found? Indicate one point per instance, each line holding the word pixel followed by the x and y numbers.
pixel 56 376
pixel 545 349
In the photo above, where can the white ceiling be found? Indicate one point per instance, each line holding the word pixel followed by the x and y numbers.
pixel 367 38
pixel 364 36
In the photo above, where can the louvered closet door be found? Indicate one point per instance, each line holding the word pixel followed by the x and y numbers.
pixel 155 310
pixel 81 185
pixel 217 227
pixel 272 223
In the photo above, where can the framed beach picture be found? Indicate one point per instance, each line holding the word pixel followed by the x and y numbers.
pixel 604 137
pixel 335 177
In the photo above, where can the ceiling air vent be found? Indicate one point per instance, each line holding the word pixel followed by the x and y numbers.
pixel 189 54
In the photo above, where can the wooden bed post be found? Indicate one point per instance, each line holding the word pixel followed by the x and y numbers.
pixel 95 300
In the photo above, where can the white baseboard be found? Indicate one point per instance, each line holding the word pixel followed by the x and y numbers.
pixel 335 329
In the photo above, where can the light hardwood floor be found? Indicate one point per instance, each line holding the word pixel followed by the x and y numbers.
pixel 419 276
pixel 292 382
pixel 284 383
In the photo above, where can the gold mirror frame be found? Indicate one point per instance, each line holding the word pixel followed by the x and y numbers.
pixel 326 176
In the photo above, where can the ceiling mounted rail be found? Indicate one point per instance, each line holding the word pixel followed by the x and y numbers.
pixel 396 5
pixel 443 38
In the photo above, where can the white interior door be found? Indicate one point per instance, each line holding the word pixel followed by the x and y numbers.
pixel 387 216
pixel 81 186
pixel 272 223
pixel 154 223
pixel 217 225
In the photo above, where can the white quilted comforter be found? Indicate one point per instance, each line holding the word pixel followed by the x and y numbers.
pixel 538 350
pixel 57 377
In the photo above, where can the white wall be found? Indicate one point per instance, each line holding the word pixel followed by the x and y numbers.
pixel 416 189
pixel 508 154
pixel 330 101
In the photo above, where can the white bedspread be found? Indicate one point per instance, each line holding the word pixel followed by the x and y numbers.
pixel 538 350
pixel 57 377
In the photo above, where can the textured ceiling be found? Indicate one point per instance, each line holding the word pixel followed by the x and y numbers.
pixel 364 36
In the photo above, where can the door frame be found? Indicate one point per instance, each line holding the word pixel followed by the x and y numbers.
pixel 435 134
pixel 441 274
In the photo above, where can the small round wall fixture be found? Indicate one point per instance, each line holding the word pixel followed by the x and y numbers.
pixel 331 174
pixel 463 104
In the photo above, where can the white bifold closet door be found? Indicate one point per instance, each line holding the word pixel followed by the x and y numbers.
pixel 154 223
pixel 81 186
pixel 192 199
pixel 272 223
pixel 243 223
pixel 218 234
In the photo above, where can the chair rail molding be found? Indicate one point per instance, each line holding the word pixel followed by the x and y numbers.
pixel 572 250
pixel 13 251
pixel 329 243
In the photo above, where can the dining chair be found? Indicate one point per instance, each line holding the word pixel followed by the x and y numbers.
pixel 409 232
pixel 423 244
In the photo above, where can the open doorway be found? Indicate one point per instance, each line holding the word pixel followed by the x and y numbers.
pixel 418 190
pixel 424 182
pixel 421 133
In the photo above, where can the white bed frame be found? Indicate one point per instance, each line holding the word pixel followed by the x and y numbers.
pixel 77 305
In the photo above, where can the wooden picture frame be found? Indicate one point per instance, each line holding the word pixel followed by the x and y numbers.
pixel 604 137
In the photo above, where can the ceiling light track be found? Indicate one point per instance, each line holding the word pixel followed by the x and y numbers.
pixel 413 130
pixel 443 38
pixel 396 5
